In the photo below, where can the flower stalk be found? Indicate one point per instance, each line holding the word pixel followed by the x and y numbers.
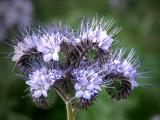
pixel 70 111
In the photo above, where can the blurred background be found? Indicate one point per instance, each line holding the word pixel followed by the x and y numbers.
pixel 140 20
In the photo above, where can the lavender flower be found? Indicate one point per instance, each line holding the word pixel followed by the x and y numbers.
pixel 38 82
pixel 127 66
pixel 24 47
pixel 46 53
pixel 87 83
pixel 41 80
pixel 123 69
pixel 49 45
pixel 19 51
pixel 98 33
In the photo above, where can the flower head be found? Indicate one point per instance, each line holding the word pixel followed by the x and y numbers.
pixel 123 69
pixel 87 83
pixel 41 80
pixel 87 62
pixel 24 47
pixel 38 82
pixel 98 33
pixel 49 45
pixel 127 67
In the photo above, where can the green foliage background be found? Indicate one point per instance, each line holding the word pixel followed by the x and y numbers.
pixel 141 30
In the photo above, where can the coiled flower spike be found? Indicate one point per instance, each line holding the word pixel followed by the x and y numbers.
pixel 124 70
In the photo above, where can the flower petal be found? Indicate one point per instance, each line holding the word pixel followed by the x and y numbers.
pixel 87 95
pixel 55 56
pixel 79 94
pixel 47 57
pixel 37 94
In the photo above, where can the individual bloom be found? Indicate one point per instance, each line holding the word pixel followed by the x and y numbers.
pixel 97 32
pixel 24 47
pixel 49 45
pixel 87 83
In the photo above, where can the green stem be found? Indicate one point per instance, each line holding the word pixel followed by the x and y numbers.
pixel 70 111
pixel 63 97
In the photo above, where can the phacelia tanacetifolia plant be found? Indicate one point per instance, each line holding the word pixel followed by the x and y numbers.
pixel 75 64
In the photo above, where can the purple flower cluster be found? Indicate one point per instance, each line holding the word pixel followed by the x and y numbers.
pixel 49 45
pixel 87 83
pixel 23 47
pixel 124 68
pixel 97 33
pixel 41 80
pixel 61 49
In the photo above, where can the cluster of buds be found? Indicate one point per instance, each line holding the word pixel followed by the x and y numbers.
pixel 76 64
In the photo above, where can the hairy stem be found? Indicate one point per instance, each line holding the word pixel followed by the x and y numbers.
pixel 63 97
pixel 70 111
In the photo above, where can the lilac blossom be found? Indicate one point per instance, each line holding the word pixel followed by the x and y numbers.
pixel 87 83
pixel 124 67
pixel 98 33
pixel 62 62
pixel 38 82
pixel 41 80
pixel 24 47
pixel 49 45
